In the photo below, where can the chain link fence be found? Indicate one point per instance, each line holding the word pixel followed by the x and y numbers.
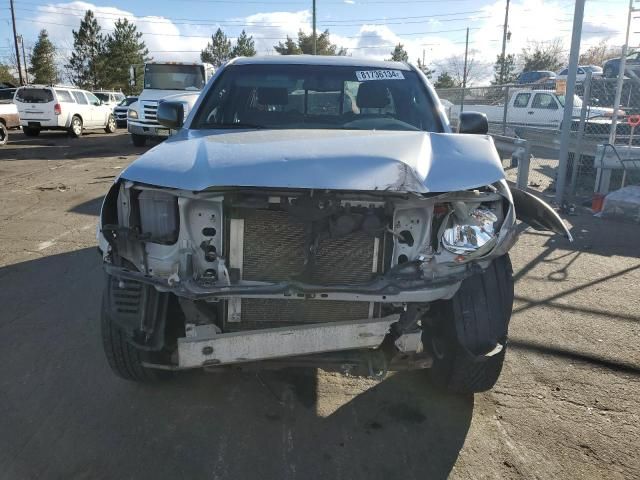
pixel 535 113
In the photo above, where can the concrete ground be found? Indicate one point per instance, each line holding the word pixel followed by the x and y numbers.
pixel 566 406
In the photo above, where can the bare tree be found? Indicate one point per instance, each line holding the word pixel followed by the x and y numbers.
pixel 454 66
pixel 598 54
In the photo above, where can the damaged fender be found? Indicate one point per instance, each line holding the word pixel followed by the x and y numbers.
pixel 537 213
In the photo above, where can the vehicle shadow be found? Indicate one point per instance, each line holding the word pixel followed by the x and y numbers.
pixel 60 146
pixel 65 415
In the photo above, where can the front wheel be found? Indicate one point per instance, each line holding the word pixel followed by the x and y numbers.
pixel 462 332
pixel 75 130
pixel 125 360
pixel 111 125
pixel 138 140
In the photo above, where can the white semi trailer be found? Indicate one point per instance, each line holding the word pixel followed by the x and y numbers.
pixel 162 81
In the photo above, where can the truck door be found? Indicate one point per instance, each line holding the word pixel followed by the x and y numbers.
pixel 519 111
pixel 545 111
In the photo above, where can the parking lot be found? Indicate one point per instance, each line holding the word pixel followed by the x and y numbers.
pixel 567 404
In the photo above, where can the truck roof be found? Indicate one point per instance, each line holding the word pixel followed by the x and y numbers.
pixel 320 60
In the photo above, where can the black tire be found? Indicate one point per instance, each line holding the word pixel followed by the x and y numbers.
pixel 4 134
pixel 31 132
pixel 111 125
pixel 483 301
pixel 138 140
pixel 75 129
pixel 124 359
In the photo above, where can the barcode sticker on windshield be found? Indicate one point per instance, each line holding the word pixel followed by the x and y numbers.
pixel 366 75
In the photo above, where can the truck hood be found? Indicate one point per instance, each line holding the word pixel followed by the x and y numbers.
pixel 406 161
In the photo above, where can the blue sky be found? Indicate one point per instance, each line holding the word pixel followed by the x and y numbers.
pixel 178 29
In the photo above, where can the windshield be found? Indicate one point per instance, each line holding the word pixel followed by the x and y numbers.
pixel 34 95
pixel 127 101
pixel 174 77
pixel 593 68
pixel 577 102
pixel 318 97
pixel 104 97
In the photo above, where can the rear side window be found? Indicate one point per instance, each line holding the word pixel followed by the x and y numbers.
pixel 522 100
pixel 34 95
pixel 64 96
pixel 80 98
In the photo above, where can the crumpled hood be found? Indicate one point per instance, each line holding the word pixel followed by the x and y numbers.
pixel 401 161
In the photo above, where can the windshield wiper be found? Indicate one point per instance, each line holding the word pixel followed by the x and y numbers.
pixel 236 125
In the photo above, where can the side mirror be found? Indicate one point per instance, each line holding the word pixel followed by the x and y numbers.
pixel 171 114
pixel 473 122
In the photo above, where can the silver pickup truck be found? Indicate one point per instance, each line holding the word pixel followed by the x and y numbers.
pixel 314 211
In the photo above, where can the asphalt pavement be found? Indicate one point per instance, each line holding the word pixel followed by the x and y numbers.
pixel 566 406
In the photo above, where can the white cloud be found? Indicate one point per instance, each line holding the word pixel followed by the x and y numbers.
pixel 529 20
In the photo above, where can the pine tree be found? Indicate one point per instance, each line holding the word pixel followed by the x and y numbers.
pixel 245 46
pixel 304 45
pixel 43 60
pixel 86 64
pixel 399 54
pixel 218 50
pixel 509 74
pixel 426 70
pixel 445 80
pixel 124 47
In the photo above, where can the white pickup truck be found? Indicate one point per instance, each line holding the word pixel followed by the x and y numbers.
pixel 536 108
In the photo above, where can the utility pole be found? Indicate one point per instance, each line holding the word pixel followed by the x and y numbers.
pixel 15 41
pixel 464 70
pixel 24 61
pixel 574 54
pixel 621 72
pixel 315 40
pixel 504 42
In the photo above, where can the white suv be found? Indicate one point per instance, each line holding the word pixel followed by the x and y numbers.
pixel 61 108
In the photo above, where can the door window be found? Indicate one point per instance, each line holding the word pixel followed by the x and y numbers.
pixel 64 96
pixel 545 101
pixel 522 100
pixel 80 98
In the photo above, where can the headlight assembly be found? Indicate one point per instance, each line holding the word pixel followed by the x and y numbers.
pixel 159 218
pixel 470 230
pixel 131 113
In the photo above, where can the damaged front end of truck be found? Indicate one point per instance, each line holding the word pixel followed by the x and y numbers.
pixel 322 275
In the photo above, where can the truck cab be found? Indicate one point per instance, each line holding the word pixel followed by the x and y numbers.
pixel 159 81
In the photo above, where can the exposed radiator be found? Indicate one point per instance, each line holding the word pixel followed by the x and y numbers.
pixel 273 245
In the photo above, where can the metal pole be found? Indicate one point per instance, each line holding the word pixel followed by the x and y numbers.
pixel 586 100
pixel 24 60
pixel 464 71
pixel 504 42
pixel 315 42
pixel 15 40
pixel 578 15
pixel 621 70
pixel 504 110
